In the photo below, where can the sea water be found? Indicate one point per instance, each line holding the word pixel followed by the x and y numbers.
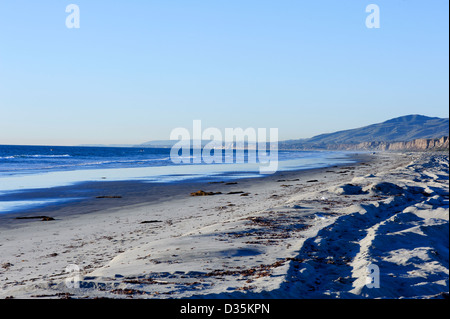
pixel 36 168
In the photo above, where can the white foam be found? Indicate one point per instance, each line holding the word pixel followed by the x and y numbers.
pixel 7 206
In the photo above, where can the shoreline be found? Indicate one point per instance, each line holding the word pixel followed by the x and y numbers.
pixel 297 234
pixel 135 192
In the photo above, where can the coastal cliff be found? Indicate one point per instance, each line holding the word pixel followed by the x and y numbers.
pixel 410 133
pixel 421 144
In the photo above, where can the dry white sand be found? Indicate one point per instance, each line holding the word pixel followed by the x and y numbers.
pixel 306 234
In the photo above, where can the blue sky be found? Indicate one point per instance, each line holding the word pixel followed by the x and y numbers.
pixel 137 69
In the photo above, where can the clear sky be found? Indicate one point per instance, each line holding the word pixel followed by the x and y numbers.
pixel 137 69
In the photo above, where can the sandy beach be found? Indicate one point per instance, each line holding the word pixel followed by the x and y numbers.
pixel 297 234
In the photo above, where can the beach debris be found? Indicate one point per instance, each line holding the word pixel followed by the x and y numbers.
pixel 43 218
pixel 150 221
pixel 234 193
pixel 7 265
pixel 109 196
pixel 244 288
pixel 258 271
pixel 288 180
pixel 169 222
pixel 245 194
pixel 312 181
pixel 62 295
pixel 231 183
pixel 203 193
pixel 128 292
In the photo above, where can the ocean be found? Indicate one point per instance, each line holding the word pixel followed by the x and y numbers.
pixel 37 168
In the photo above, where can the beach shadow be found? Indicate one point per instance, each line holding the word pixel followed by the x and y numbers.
pixel 322 267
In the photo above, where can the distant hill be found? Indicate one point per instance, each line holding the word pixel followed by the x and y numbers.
pixel 170 143
pixel 401 129
pixel 158 144
pixel 404 129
